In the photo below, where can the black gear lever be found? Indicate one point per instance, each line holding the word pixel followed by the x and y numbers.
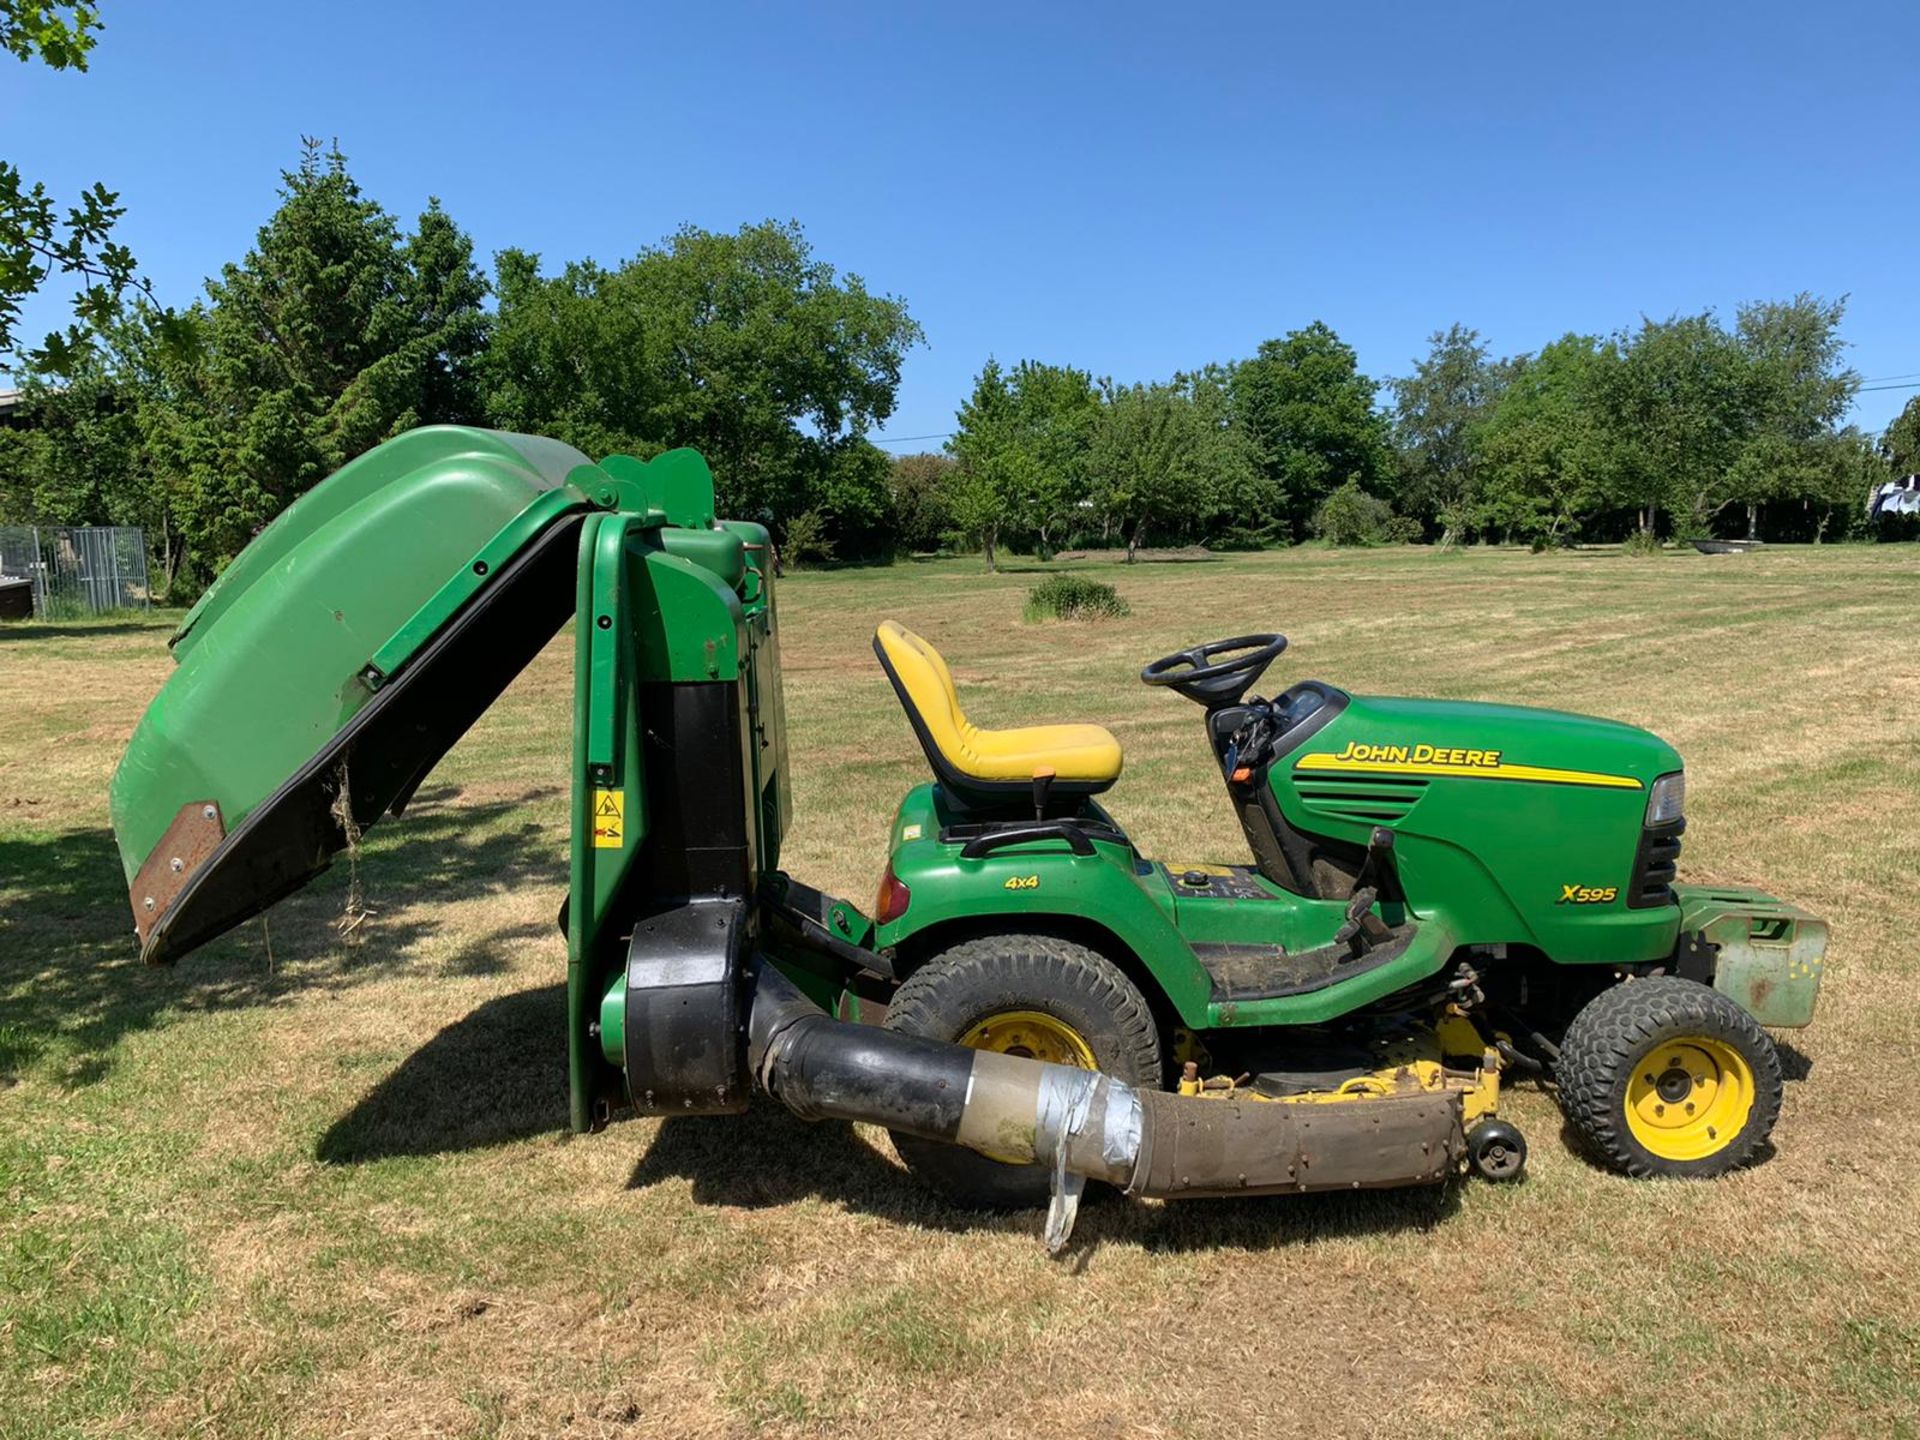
pixel 1363 929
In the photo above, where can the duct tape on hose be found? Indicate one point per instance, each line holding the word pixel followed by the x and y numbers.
pixel 1063 1207
pixel 1120 1128
pixel 1061 1105
pixel 1072 1107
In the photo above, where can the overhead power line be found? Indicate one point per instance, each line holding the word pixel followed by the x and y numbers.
pixel 909 439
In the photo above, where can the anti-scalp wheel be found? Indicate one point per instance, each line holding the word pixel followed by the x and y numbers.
pixel 1497 1150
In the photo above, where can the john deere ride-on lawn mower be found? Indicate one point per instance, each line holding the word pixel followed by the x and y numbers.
pixel 1441 894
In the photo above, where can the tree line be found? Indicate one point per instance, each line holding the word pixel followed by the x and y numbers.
pixel 1682 427
pixel 341 327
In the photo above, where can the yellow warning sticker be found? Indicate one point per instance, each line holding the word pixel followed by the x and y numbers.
pixel 609 819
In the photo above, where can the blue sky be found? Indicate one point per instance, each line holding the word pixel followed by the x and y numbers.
pixel 1131 188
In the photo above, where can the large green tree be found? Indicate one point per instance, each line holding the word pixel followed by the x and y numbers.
pixel 1308 419
pixel 1439 411
pixel 979 496
pixel 1797 391
pixel 1900 445
pixel 1022 443
pixel 79 454
pixel 744 345
pixel 1165 460
pixel 1676 410
pixel 75 450
pixel 1056 408
pixel 919 486
pixel 1703 418
pixel 568 358
pixel 334 333
pixel 1541 453
pixel 845 482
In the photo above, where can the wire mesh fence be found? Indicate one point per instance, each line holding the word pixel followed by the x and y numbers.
pixel 76 570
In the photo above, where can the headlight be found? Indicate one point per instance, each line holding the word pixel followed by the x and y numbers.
pixel 1668 800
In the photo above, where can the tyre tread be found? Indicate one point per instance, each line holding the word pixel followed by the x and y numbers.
pixel 1617 1027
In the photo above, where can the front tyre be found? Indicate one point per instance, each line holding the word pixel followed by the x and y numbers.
pixel 1027 995
pixel 1665 1076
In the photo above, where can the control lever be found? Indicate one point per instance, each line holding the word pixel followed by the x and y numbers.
pixel 1249 746
pixel 1363 929
pixel 1042 789
pixel 1377 869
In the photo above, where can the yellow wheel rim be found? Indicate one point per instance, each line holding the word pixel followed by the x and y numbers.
pixel 1033 1034
pixel 1689 1098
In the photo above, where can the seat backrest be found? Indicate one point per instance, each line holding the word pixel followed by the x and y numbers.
pixel 925 686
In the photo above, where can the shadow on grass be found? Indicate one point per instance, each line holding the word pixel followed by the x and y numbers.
pixel 1081 562
pixel 60 630
pixel 1795 1063
pixel 771 1157
pixel 497 1074
pixel 72 985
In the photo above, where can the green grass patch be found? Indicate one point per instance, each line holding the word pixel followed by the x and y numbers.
pixel 331 1191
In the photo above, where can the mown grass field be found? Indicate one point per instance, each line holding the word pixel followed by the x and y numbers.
pixel 314 1185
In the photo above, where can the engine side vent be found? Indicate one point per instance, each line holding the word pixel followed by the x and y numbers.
pixel 1372 799
pixel 1655 865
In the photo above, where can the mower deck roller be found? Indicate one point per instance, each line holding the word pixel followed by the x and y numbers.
pixel 1440 890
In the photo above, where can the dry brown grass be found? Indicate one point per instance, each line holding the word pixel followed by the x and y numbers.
pixel 332 1195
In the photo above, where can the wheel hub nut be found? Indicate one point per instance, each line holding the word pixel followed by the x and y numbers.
pixel 1674 1085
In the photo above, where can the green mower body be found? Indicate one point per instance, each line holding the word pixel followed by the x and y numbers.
pixel 1406 858
pixel 1522 836
pixel 1557 862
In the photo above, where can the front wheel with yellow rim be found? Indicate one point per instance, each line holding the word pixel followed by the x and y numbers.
pixel 1034 996
pixel 1665 1076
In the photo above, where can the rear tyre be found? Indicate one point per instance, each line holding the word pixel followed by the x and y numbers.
pixel 1028 995
pixel 1665 1076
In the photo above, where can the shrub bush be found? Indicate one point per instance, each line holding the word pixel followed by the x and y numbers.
pixel 1641 542
pixel 1350 516
pixel 1074 597
pixel 807 539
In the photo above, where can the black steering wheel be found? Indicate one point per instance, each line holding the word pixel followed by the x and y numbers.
pixel 1216 675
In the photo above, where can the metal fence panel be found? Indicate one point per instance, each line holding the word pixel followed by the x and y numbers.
pixel 78 569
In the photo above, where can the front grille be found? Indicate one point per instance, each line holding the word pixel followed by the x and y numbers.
pixel 1655 865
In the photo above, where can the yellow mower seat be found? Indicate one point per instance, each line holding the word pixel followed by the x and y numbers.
pixel 981 766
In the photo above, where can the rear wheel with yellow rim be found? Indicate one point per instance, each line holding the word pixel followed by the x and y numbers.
pixel 1665 1076
pixel 1034 996
pixel 1033 1035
